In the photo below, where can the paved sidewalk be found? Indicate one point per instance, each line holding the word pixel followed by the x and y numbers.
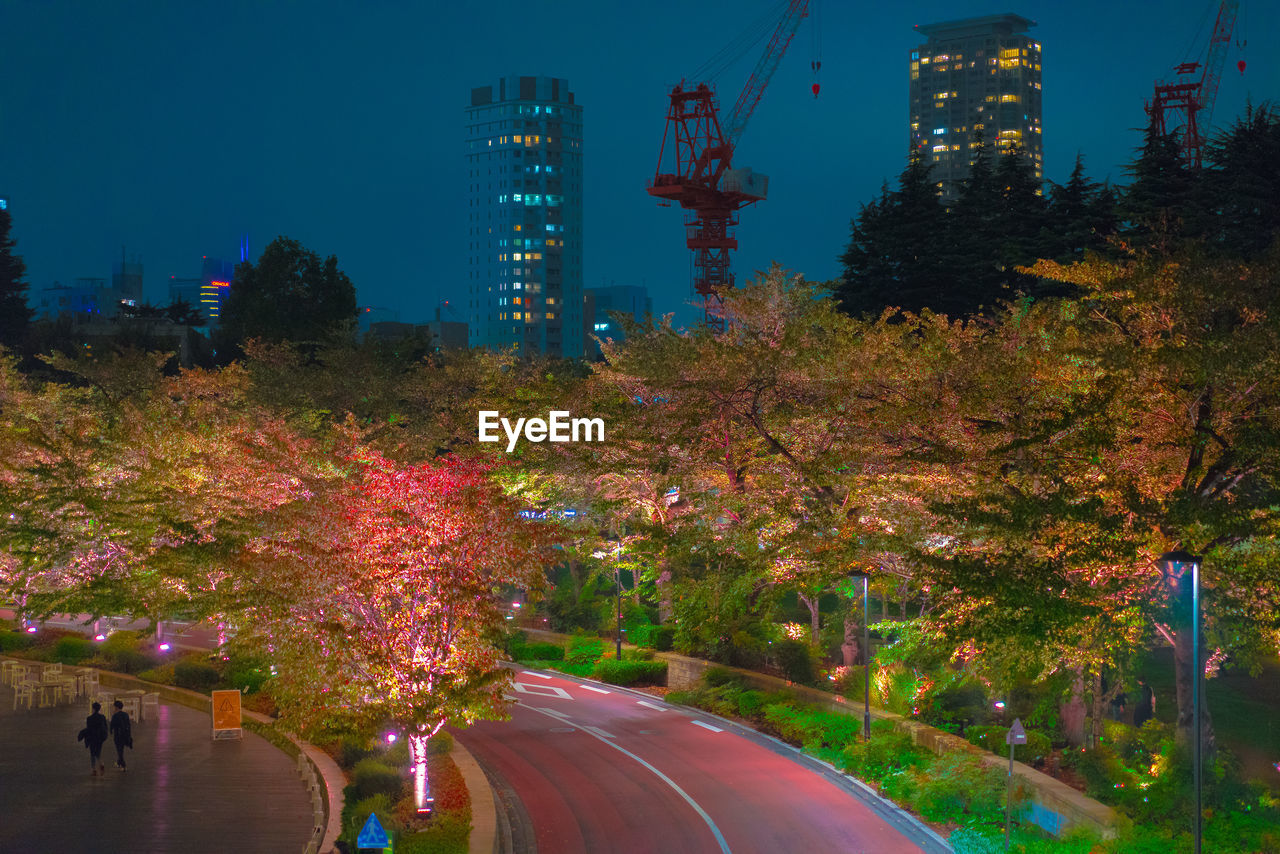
pixel 183 793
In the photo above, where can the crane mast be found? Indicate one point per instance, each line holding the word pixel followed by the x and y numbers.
pixel 704 182
pixel 1188 102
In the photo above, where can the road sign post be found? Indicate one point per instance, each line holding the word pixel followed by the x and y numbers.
pixel 226 715
pixel 373 837
pixel 1015 736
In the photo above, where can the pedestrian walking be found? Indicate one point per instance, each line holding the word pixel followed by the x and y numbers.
pixel 122 732
pixel 94 735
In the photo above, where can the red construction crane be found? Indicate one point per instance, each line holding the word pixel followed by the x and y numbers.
pixel 1187 103
pixel 704 182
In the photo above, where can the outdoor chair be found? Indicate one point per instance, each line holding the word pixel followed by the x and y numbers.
pixel 150 706
pixel 22 694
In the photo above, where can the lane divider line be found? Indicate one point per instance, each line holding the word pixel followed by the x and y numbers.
pixel 649 705
pixel 597 731
pixel 715 831
pixel 597 690
pixel 707 726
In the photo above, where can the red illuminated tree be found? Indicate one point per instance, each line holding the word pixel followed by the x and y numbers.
pixel 380 600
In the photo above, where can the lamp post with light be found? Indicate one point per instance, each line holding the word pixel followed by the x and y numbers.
pixel 866 653
pixel 1173 569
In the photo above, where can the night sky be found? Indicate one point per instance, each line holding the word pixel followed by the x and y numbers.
pixel 172 127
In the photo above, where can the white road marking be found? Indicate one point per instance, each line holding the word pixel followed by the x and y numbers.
pixel 715 831
pixel 707 726
pixel 597 731
pixel 542 690
pixel 649 705
pixel 552 712
pixel 539 675
pixel 597 690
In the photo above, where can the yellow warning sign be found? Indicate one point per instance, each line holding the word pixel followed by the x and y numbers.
pixel 226 710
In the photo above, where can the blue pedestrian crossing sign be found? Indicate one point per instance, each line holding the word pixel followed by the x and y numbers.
pixel 372 835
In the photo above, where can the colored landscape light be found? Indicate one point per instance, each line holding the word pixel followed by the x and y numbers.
pixel 31 630
pixel 100 637
pixel 164 647
pixel 391 738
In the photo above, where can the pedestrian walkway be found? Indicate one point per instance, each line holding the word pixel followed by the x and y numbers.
pixel 183 792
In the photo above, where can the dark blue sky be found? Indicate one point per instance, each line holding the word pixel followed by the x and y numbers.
pixel 172 127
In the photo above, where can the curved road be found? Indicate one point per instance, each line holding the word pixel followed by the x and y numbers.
pixel 585 769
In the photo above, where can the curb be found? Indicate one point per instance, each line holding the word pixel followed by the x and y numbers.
pixel 484 814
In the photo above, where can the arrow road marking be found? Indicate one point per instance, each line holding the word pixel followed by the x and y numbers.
pixel 542 690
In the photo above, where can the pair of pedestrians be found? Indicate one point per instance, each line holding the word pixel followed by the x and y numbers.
pixel 97 730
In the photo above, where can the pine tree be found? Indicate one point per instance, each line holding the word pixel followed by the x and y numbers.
pixel 1081 216
pixel 892 257
pixel 1158 209
pixel 15 315
pixel 1242 183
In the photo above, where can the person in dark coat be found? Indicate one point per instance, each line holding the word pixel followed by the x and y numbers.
pixel 95 734
pixel 122 732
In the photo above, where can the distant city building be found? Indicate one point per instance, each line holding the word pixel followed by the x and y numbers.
pixel 215 284
pixel 601 303
pixel 974 74
pixel 367 316
pixel 524 224
pixel 126 280
pixel 187 290
pixel 447 334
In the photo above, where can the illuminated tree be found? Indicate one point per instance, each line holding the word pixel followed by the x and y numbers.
pixel 380 598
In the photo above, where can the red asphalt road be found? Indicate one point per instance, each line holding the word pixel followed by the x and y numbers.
pixel 584 796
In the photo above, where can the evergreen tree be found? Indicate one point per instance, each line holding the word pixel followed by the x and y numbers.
pixel 1158 209
pixel 892 257
pixel 1242 183
pixel 1081 216
pixel 972 250
pixel 15 315
pixel 289 295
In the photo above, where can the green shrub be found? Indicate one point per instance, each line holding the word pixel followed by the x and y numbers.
pixel 663 638
pixel 195 675
pixel 795 660
pixel 992 738
pixel 972 840
pixel 14 641
pixel 72 650
pixel 1103 771
pixel 372 777
pixel 162 675
pixel 584 650
pixel 681 698
pixel 539 652
pixel 631 672
pixel 887 752
pixel 352 750
pixel 717 676
pixel 957 785
pixel 356 813
pixel 246 673
pixel 751 704
pixel 439 744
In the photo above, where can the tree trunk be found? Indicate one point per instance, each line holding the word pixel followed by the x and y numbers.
pixel 811 602
pixel 665 608
pixel 1184 673
pixel 1097 706
pixel 422 798
pixel 1072 712
pixel 849 648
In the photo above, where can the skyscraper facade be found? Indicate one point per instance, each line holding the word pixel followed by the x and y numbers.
pixel 524 222
pixel 974 75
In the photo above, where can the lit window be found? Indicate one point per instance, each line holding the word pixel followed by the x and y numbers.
pixel 942 147
pixel 515 316
pixel 515 138
pixel 1009 53
pixel 517 256
pixel 1008 99
pixel 924 60
pixel 551 315
pixel 939 131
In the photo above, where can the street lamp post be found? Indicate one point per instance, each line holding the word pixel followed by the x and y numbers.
pixel 1173 567
pixel 866 655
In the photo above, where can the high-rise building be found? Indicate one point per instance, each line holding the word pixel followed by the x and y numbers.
pixel 215 284
pixel 126 280
pixel 976 74
pixel 601 304
pixel 524 217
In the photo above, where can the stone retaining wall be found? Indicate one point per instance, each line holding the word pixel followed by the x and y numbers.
pixel 1055 806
